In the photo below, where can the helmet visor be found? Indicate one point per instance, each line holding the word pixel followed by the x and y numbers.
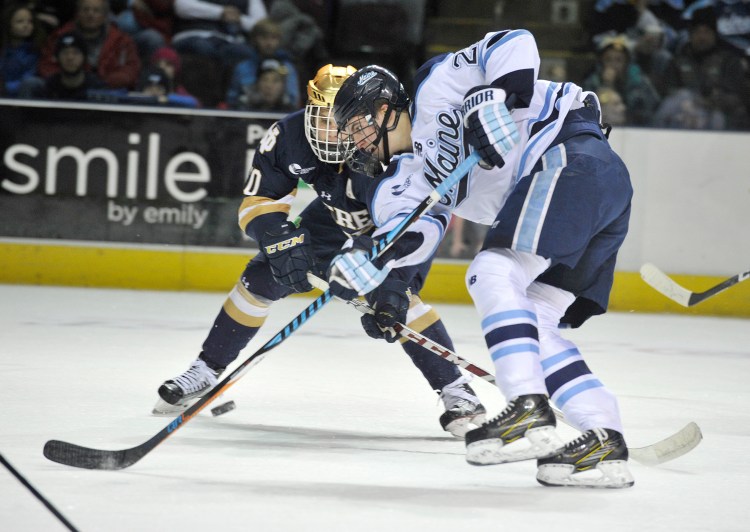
pixel 362 137
pixel 322 134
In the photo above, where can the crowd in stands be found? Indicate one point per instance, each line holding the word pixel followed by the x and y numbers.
pixel 658 63
pixel 226 54
pixel 672 63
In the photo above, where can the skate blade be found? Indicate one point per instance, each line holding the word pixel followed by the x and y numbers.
pixel 459 427
pixel 163 408
pixel 612 474
pixel 541 442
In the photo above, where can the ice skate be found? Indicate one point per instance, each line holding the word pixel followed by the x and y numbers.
pixel 178 394
pixel 524 430
pixel 596 459
pixel 463 411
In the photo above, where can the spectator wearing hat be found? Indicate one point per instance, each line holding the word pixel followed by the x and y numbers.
pixel 711 73
pixel 156 86
pixel 615 70
pixel 732 21
pixel 112 53
pixel 73 81
pixel 268 93
pixel 169 61
pixel 266 39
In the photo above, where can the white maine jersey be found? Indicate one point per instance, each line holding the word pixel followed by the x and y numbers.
pixel 438 140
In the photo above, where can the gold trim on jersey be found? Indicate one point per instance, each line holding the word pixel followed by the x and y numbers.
pixel 254 206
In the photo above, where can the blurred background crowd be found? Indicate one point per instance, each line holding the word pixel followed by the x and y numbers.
pixel 653 63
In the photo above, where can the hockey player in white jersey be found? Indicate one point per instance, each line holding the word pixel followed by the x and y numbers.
pixel 557 200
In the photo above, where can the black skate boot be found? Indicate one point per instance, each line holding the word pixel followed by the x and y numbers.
pixel 178 394
pixel 463 411
pixel 524 430
pixel 596 459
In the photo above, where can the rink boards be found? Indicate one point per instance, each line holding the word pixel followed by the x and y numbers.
pixel 98 264
pixel 146 198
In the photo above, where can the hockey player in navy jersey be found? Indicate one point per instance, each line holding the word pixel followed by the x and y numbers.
pixel 304 146
pixel 556 199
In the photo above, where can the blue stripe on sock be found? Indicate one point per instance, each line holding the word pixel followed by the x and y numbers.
pixel 511 332
pixel 551 361
pixel 575 390
pixel 512 349
pixel 507 315
pixel 566 374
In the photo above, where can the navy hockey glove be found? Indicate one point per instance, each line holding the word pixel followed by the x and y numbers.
pixel 488 125
pixel 288 250
pixel 351 273
pixel 390 303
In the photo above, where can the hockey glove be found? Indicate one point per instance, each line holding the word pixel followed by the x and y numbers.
pixel 288 250
pixel 352 273
pixel 390 303
pixel 488 125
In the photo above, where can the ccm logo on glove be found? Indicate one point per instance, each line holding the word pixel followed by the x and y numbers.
pixel 285 244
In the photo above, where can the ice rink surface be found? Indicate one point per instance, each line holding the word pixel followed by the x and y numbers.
pixel 336 432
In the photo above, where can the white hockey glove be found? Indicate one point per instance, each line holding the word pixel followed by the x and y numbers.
pixel 351 273
pixel 488 125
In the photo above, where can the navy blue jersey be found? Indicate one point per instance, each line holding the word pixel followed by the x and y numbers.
pixel 283 158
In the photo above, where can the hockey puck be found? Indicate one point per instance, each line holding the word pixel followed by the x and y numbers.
pixel 224 408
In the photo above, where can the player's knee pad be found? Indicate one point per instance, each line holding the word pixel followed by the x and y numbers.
pixel 551 304
pixel 258 280
pixel 502 274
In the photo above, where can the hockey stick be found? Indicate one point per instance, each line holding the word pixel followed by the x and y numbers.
pixel 37 494
pixel 664 284
pixel 674 446
pixel 88 458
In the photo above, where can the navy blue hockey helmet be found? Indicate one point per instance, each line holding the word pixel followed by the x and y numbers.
pixel 362 95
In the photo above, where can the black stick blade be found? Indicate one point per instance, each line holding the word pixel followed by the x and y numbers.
pixel 86 458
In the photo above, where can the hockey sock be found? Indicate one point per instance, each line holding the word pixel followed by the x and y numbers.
pixel 238 322
pixel 425 320
pixel 571 385
pixel 497 281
